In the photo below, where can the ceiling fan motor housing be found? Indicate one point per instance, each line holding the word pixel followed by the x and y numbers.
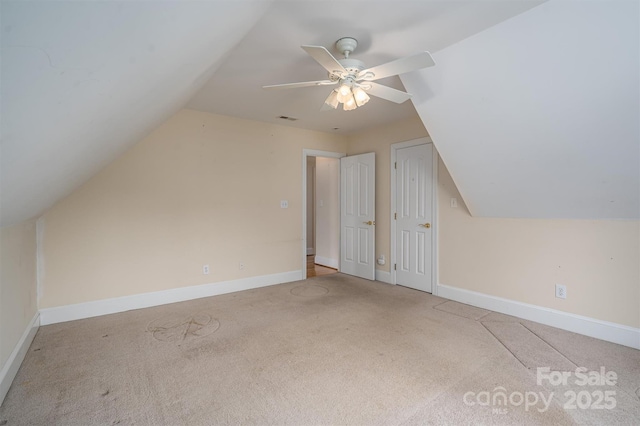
pixel 353 67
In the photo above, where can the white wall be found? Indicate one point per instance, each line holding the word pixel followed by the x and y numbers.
pixel 311 218
pixel 537 116
pixel 18 297
pixel 201 189
pixel 328 211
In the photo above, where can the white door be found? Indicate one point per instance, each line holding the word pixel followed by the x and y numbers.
pixel 413 221
pixel 357 215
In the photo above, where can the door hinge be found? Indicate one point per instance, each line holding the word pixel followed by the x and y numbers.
pixel 395 165
pixel 395 216
pixel 394 267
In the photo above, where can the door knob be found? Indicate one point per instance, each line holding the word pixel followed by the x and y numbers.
pixel 426 225
pixel 371 222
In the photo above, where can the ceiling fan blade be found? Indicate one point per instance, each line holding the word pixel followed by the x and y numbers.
pixel 326 107
pixel 301 84
pixel 399 66
pixel 326 59
pixel 384 92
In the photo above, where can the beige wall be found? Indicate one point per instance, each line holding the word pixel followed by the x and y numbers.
pixel 18 294
pixel 518 259
pixel 201 189
pixel 379 140
pixel 206 189
pixel 523 259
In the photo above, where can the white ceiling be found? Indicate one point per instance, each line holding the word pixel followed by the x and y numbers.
pixel 270 54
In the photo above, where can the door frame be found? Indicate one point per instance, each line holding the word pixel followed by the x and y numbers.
pixel 434 206
pixel 310 153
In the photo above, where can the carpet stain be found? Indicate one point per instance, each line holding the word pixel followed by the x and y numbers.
pixel 309 290
pixel 527 347
pixel 175 329
pixel 105 393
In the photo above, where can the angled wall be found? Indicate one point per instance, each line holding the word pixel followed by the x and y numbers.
pixel 538 116
pixel 84 81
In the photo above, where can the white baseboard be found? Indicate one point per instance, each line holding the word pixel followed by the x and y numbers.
pixel 310 251
pixel 383 276
pixel 10 368
pixel 604 330
pixel 145 300
pixel 329 263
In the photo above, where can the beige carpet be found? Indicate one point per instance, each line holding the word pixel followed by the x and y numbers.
pixel 331 350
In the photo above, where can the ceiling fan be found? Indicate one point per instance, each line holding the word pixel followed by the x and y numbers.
pixel 355 81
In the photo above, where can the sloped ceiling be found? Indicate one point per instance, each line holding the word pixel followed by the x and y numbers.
pixel 539 116
pixel 536 115
pixel 83 81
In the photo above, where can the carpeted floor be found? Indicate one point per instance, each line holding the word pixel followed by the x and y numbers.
pixel 330 350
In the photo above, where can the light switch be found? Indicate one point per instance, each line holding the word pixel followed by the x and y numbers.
pixel 321 203
pixel 284 204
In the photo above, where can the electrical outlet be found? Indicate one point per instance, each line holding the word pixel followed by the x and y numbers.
pixel 284 204
pixel 205 269
pixel 454 202
pixel 241 266
pixel 561 291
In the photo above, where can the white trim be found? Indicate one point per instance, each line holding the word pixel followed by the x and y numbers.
pixel 310 251
pixel 604 330
pixel 329 263
pixel 39 258
pixel 436 221
pixel 10 368
pixel 383 276
pixel 434 205
pixel 310 153
pixel 156 298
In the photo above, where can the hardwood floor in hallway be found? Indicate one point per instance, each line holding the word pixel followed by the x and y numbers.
pixel 314 270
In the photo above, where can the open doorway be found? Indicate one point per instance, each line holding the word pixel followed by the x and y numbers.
pixel 322 212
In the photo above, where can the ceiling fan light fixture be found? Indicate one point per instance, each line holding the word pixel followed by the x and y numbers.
pixel 360 96
pixel 332 99
pixel 344 92
pixel 345 89
pixel 342 98
pixel 350 104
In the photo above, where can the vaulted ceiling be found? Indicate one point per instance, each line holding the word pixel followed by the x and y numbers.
pixel 84 81
pixel 539 116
